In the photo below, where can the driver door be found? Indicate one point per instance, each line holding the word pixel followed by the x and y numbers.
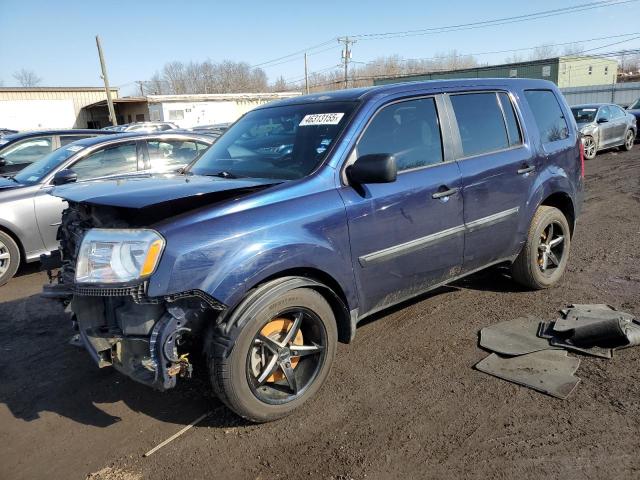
pixel 405 235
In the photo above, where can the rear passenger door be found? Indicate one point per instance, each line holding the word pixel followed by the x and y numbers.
pixel 497 174
pixel 607 127
pixel 405 235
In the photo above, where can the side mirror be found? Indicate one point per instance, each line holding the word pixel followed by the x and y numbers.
pixel 65 176
pixel 374 168
pixel 603 120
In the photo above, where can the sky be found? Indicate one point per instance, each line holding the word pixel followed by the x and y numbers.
pixel 57 39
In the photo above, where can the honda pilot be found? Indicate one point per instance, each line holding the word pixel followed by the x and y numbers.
pixel 307 216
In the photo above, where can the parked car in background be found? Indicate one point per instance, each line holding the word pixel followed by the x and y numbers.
pixel 215 129
pixel 604 125
pixel 19 150
pixel 7 131
pixel 142 127
pixel 29 216
pixel 310 214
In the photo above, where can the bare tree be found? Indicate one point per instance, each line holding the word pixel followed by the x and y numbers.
pixel 543 51
pixel 280 85
pixel 573 49
pixel 27 78
pixel 515 58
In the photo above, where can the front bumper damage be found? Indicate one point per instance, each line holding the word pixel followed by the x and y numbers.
pixel 147 339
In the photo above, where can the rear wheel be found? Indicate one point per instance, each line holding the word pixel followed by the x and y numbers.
pixel 280 359
pixel 543 259
pixel 590 147
pixel 629 138
pixel 9 258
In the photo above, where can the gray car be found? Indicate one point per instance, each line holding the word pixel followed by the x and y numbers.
pixel 604 125
pixel 29 216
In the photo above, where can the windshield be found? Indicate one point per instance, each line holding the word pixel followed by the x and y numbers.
pixel 635 105
pixel 283 143
pixel 584 114
pixel 35 172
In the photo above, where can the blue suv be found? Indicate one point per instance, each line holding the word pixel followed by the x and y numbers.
pixel 310 214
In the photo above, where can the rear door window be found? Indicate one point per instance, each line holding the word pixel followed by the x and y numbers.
pixel 548 115
pixel 409 130
pixel 166 155
pixel 513 129
pixel 121 159
pixel 481 123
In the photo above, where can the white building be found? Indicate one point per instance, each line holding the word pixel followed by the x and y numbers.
pixel 38 108
pixel 184 110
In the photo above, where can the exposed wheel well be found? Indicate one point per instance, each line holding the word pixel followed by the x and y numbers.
pixel 337 300
pixel 18 243
pixel 562 202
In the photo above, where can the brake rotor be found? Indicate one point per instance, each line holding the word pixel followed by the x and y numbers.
pixel 276 329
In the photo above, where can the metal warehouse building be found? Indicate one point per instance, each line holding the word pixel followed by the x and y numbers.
pixel 184 110
pixel 36 108
pixel 568 71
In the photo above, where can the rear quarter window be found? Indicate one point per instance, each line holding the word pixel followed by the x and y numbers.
pixel 548 115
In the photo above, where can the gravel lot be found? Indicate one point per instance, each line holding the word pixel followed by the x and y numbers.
pixel 402 401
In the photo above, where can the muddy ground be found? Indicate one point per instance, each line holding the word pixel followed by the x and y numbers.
pixel 403 401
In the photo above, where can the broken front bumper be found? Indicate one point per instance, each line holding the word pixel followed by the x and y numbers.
pixel 139 336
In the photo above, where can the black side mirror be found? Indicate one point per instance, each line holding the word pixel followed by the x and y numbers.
pixel 65 176
pixel 603 120
pixel 374 168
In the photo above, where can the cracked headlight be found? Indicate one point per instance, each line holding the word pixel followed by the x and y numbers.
pixel 116 256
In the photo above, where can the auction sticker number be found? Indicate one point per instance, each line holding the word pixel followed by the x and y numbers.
pixel 321 119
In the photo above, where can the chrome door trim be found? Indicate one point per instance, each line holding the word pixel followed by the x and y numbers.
pixel 434 238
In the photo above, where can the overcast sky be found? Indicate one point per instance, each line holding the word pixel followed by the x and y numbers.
pixel 56 39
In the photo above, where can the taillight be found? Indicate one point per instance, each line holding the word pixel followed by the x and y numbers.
pixel 581 159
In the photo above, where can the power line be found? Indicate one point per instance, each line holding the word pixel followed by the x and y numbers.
pixel 299 52
pixel 492 22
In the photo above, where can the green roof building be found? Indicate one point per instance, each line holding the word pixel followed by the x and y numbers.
pixel 568 71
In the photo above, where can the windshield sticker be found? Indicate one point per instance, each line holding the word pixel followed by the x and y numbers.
pixel 33 178
pixel 589 109
pixel 74 148
pixel 321 119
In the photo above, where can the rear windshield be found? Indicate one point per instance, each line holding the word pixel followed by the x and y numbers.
pixel 283 143
pixel 35 172
pixel 584 114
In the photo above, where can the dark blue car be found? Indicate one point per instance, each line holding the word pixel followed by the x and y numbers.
pixel 310 214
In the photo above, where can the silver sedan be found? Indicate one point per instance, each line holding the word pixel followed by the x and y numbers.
pixel 29 216
pixel 604 125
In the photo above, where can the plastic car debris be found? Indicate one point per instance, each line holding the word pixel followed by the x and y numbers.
pixel 547 371
pixel 596 330
pixel 514 337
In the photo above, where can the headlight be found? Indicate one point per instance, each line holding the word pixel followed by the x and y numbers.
pixel 116 256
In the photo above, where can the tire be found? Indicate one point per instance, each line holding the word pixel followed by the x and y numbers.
pixel 629 139
pixel 9 258
pixel 590 147
pixel 236 379
pixel 530 267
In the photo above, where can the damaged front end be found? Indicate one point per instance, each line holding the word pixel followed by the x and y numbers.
pixel 146 338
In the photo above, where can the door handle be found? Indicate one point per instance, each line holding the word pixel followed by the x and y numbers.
pixel 445 193
pixel 523 170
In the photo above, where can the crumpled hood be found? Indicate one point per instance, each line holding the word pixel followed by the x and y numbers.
pixel 143 192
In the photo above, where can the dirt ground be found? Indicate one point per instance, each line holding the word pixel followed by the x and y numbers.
pixel 403 400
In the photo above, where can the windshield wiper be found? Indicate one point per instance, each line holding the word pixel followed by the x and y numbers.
pixel 223 174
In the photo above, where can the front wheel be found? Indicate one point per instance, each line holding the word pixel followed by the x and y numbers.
pixel 629 138
pixel 280 359
pixel 590 147
pixel 544 256
pixel 9 258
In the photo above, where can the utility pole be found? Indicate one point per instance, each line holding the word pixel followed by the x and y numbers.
pixel 346 57
pixel 306 75
pixel 140 84
pixel 112 113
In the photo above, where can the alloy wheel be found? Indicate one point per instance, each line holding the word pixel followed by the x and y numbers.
pixel 589 147
pixel 551 248
pixel 286 356
pixel 628 141
pixel 5 258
